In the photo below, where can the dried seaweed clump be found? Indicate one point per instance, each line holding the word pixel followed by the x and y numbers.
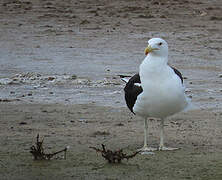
pixel 38 151
pixel 113 156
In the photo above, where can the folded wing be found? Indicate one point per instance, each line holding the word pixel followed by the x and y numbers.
pixel 132 90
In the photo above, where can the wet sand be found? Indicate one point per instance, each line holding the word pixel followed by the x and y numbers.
pixel 197 134
pixel 58 77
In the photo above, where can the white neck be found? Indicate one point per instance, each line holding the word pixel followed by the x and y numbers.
pixel 152 66
pixel 153 60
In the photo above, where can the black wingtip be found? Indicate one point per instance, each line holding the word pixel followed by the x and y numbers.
pixel 123 76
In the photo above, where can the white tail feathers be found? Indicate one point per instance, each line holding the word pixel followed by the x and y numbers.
pixel 125 80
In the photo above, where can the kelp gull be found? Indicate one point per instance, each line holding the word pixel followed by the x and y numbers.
pixel 157 90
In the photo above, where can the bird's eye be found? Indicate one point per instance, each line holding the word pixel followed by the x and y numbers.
pixel 160 43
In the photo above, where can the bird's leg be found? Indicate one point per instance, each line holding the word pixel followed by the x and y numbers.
pixel 161 134
pixel 145 148
pixel 162 147
pixel 145 132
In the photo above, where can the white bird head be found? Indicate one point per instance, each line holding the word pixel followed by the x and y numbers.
pixel 157 47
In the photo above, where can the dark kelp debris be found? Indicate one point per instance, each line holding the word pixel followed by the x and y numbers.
pixel 38 153
pixel 113 156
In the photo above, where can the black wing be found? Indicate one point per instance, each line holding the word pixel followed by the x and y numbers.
pixel 132 91
pixel 178 73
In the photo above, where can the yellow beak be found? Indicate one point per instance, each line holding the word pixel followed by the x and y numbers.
pixel 148 49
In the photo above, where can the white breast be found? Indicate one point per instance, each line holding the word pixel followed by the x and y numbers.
pixel 163 93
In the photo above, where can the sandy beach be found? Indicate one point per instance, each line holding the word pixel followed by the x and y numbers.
pixel 59 68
